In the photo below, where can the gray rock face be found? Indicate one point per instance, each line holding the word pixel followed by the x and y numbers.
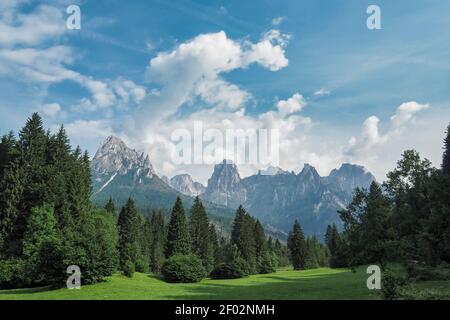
pixel 184 184
pixel 224 185
pixel 115 157
pixel 117 167
pixel 279 199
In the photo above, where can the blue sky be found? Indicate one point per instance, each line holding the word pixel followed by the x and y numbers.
pixel 100 80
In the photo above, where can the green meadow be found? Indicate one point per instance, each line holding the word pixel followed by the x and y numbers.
pixel 323 283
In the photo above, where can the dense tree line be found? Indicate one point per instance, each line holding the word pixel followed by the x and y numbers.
pixel 47 222
pixel 306 253
pixel 405 219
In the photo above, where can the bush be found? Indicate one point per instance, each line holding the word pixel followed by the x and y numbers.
pixel 12 273
pixel 425 273
pixel 128 269
pixel 142 265
pixel 238 268
pixel 267 264
pixel 184 269
pixel 390 286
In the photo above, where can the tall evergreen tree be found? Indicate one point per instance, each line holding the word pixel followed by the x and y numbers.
pixel 242 236
pixel 128 235
pixel 200 235
pixel 110 207
pixel 297 246
pixel 376 227
pixel 446 156
pixel 178 239
pixel 158 239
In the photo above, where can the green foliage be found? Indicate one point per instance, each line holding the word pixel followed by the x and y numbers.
pixel 128 224
pixel 297 247
pixel 12 273
pixel 178 238
pixel 202 246
pixel 157 241
pixel 243 237
pixel 110 207
pixel 390 286
pixel 183 268
pixel 128 269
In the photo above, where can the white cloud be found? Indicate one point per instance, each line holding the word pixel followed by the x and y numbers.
pixel 405 113
pixel 28 53
pixel 291 105
pixel 29 29
pixel 193 70
pixel 322 92
pixel 278 20
pixel 51 109
pixel 370 134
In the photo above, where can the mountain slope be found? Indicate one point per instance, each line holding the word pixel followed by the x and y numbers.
pixel 281 198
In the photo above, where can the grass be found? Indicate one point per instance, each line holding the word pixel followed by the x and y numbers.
pixel 323 283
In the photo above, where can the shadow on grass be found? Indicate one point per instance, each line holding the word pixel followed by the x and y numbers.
pixel 26 290
pixel 340 286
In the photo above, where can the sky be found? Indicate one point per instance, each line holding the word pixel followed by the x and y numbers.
pixel 336 91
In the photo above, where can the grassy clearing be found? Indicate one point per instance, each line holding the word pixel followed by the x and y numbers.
pixel 323 283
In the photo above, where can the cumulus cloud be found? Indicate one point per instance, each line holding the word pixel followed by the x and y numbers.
pixel 406 112
pixel 28 53
pixel 291 105
pixel 370 133
pixel 29 29
pixel 193 70
pixel 51 109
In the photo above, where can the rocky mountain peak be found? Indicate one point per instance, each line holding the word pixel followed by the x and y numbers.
pixel 115 157
pixel 223 182
pixel 308 173
pixel 350 176
pixel 186 185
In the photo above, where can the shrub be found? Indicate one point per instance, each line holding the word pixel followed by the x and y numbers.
pixel 128 269
pixel 142 265
pixel 267 264
pixel 12 273
pixel 184 269
pixel 390 286
pixel 234 269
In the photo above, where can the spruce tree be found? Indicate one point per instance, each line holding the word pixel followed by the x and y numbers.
pixel 158 239
pixel 178 239
pixel 242 236
pixel 200 235
pixel 376 227
pixel 446 156
pixel 297 246
pixel 110 207
pixel 128 235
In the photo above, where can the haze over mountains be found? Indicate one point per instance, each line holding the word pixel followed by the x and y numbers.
pixel 274 196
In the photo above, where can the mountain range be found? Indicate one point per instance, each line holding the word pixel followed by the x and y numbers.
pixel 275 196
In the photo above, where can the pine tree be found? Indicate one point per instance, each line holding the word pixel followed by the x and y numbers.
pixel 446 156
pixel 158 238
pixel 200 235
pixel 7 152
pixel 376 227
pixel 242 235
pixel 297 246
pixel 110 207
pixel 178 239
pixel 128 235
pixel 214 239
